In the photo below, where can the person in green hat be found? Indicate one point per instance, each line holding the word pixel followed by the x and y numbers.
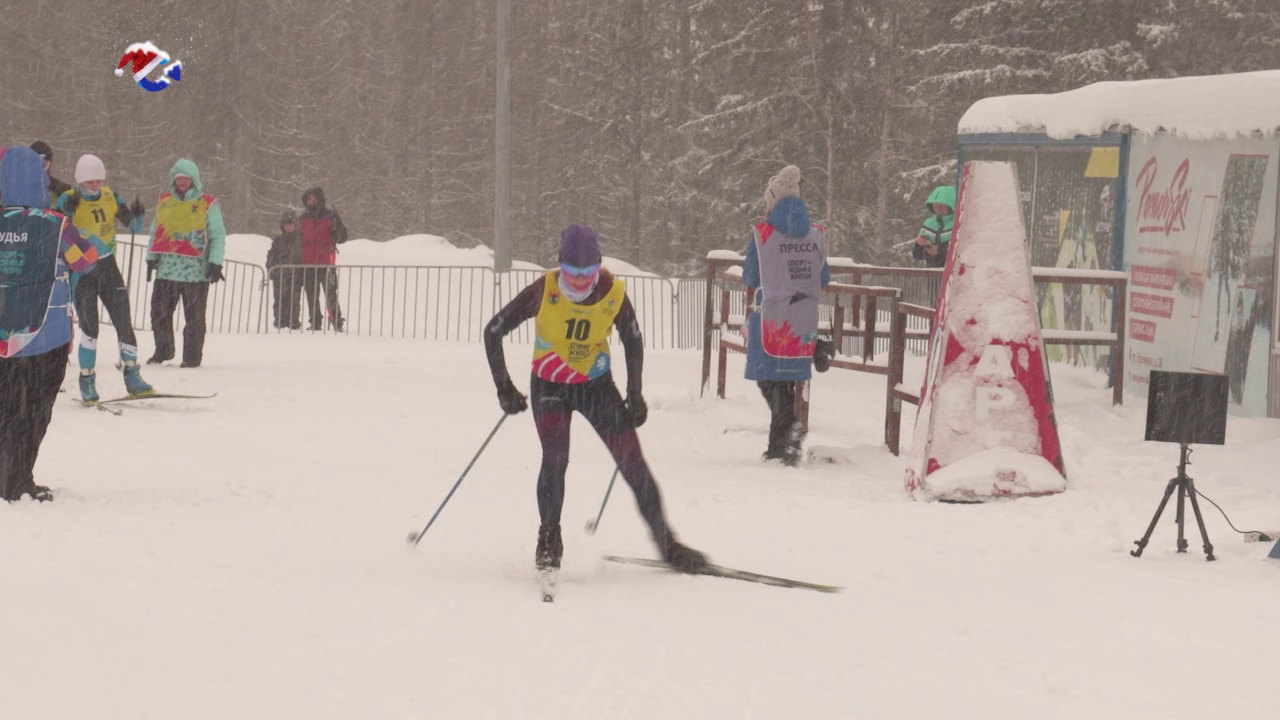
pixel 935 232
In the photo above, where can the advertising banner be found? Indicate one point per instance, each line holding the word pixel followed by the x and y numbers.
pixel 1200 253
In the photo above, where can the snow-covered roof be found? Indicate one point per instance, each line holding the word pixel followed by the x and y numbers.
pixel 1193 107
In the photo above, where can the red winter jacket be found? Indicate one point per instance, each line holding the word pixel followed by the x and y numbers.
pixel 322 231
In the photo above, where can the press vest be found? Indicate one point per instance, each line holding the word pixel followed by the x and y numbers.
pixel 571 340
pixel 790 288
pixel 181 225
pixel 35 292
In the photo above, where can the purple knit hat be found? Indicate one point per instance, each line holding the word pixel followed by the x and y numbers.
pixel 580 246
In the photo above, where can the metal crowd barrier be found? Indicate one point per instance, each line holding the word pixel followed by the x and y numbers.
pixel 434 303
pixel 235 305
pixel 427 302
pixel 455 303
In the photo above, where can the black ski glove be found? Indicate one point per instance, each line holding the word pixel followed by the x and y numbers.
pixel 637 410
pixel 822 354
pixel 151 268
pixel 215 273
pixel 511 401
pixel 137 209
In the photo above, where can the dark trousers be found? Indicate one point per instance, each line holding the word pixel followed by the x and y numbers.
pixel 286 299
pixel 781 397
pixel 164 301
pixel 601 404
pixel 105 282
pixel 28 388
pixel 315 280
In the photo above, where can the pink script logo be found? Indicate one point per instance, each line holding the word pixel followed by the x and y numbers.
pixel 1163 210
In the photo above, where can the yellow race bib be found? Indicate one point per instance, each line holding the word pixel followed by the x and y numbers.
pixel 571 341
pixel 180 225
pixel 96 220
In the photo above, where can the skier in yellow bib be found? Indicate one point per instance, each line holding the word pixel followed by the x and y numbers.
pixel 576 308
pixel 94 208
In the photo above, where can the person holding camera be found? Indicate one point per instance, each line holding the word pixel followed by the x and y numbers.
pixel 934 238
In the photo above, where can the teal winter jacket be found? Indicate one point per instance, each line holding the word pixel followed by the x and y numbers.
pixel 191 269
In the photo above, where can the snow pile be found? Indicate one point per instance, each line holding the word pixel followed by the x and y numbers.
pixel 990 355
pixel 406 250
pixel 998 472
pixel 1194 107
pixel 622 267
pixel 420 250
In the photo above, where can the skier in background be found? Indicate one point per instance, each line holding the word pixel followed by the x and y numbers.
pixel 576 307
pixel 188 240
pixel 56 186
pixel 94 209
pixel 38 252
pixel 322 232
pixel 935 233
pixel 785 270
pixel 286 288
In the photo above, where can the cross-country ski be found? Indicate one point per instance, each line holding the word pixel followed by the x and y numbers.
pixel 103 408
pixel 155 396
pixel 730 573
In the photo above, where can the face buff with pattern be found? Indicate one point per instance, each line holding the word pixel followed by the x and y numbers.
pixel 577 282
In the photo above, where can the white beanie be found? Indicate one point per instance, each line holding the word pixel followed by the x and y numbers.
pixel 785 184
pixel 89 167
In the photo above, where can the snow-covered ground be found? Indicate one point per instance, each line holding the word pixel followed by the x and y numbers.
pixel 245 557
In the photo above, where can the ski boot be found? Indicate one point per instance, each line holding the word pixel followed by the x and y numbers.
pixel 550 548
pixel 134 385
pixel 681 558
pixel 89 387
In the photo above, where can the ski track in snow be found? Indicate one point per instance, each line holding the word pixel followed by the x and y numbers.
pixel 245 556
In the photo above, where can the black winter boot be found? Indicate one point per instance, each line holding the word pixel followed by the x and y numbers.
pixel 550 548
pixel 793 453
pixel 40 493
pixel 680 557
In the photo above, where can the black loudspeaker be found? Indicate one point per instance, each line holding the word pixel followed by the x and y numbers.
pixel 1184 408
pixel 1187 408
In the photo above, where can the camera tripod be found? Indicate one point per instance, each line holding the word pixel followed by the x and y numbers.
pixel 1186 489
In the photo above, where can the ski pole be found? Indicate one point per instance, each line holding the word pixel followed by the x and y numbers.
pixel 592 526
pixel 414 538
